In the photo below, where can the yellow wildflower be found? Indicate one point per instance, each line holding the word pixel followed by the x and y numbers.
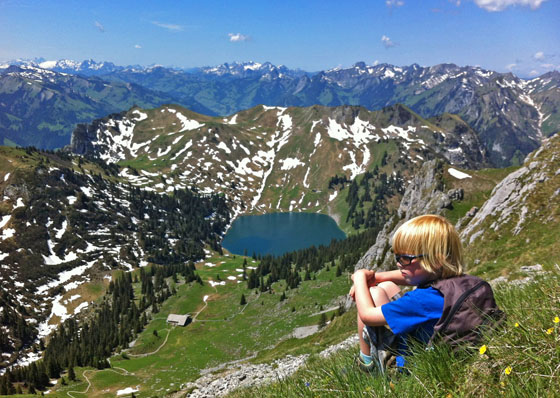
pixel 449 395
pixel 392 385
pixel 507 370
pixel 483 349
pixel 516 324
pixel 502 384
pixel 556 319
pixel 549 331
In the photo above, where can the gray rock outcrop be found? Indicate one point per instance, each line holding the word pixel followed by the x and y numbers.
pixel 14 192
pixel 510 203
pixel 423 195
pixel 250 375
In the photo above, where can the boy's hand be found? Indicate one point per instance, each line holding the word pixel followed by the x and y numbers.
pixel 352 293
pixel 368 274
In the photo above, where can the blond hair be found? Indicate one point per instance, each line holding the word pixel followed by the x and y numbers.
pixel 436 239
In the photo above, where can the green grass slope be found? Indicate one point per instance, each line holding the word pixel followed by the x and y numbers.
pixel 163 357
pixel 518 360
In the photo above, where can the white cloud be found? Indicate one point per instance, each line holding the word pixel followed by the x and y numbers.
pixel 376 62
pixel 539 55
pixel 168 26
pixel 387 42
pixel 500 5
pixel 533 73
pixel 237 37
pixel 511 67
pixel 547 66
pixel 99 26
pixel 394 3
pixel 137 46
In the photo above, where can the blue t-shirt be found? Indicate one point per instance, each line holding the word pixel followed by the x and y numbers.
pixel 413 315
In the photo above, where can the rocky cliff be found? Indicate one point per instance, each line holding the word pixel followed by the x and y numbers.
pixel 424 194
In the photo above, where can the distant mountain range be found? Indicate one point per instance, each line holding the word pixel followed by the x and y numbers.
pixel 41 102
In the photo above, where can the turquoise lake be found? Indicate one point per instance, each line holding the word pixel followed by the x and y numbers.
pixel 279 233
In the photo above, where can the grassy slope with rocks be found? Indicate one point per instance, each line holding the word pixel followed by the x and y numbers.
pixel 519 360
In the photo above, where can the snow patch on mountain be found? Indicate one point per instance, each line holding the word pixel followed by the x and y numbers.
pixel 290 163
pixel 458 174
pixel 222 145
pixel 141 116
pixel 233 120
pixel 187 123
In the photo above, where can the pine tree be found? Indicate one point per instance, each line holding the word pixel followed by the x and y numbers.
pixel 338 271
pixel 322 321
pixel 307 276
pixel 4 386
pixel 71 374
pixel 243 300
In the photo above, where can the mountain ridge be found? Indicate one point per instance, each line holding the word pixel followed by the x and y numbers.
pixel 511 115
pixel 270 157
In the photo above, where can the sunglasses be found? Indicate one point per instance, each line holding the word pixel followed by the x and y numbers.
pixel 406 259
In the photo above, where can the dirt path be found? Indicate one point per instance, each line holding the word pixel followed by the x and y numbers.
pixel 327 310
pixel 126 372
pixel 227 319
pixel 151 353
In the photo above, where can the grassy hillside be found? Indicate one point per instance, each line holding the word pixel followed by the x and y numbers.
pixel 518 360
pixel 164 357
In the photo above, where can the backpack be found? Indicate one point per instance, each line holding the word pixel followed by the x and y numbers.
pixel 469 308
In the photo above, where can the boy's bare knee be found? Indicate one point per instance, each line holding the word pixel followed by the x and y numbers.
pixel 375 290
pixel 390 288
pixel 379 295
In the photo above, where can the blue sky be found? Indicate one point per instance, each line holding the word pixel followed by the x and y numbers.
pixel 522 36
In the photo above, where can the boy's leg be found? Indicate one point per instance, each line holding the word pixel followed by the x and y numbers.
pixel 380 297
pixel 364 347
pixel 381 294
pixel 390 288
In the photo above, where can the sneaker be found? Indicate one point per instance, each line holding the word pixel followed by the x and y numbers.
pixel 369 335
pixel 369 368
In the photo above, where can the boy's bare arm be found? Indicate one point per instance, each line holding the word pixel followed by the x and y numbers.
pixel 394 276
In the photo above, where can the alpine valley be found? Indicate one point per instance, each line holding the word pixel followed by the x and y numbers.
pixel 102 240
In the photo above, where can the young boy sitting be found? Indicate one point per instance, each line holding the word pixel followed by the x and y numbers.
pixel 427 249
